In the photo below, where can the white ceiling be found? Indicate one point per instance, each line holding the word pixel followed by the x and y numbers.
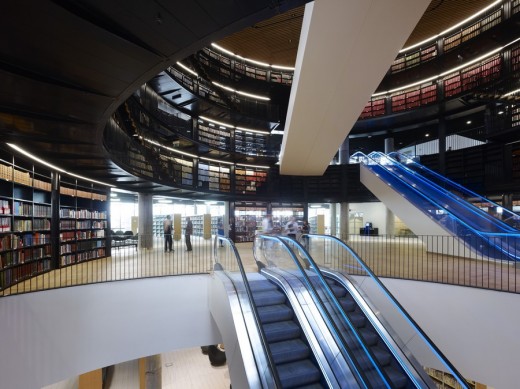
pixel 346 47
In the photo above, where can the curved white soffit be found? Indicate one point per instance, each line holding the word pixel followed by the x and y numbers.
pixel 324 105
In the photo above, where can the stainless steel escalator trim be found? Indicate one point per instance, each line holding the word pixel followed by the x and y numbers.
pixel 324 346
pixel 249 341
pixel 406 359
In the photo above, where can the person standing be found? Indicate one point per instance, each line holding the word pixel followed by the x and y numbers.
pixel 168 228
pixel 187 233
pixel 306 229
pixel 291 228
pixel 220 231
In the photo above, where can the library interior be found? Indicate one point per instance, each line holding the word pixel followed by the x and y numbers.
pixel 268 194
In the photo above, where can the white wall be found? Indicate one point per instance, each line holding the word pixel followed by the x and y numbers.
pixel 49 336
pixel 477 330
pixel 372 212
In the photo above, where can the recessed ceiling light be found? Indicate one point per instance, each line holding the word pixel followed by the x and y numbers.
pixel 468 122
pixel 426 135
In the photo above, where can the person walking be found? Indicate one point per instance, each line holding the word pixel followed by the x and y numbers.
pixel 220 231
pixel 187 233
pixel 291 228
pixel 168 229
pixel 306 229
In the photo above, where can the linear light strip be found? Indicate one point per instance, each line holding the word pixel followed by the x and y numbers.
pixel 469 63
pixel 203 158
pixel 231 126
pixel 251 60
pixel 39 160
pixel 254 166
pixel 405 49
pixel 240 92
pixel 187 69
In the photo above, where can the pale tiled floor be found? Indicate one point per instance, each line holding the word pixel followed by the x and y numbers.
pixel 180 369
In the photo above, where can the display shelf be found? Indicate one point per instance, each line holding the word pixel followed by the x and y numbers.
pixel 283 213
pixel 25 212
pixel 201 225
pixel 83 223
pixel 248 220
pixel 214 177
pixel 248 180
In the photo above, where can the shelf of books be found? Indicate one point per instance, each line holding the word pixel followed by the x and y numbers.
pixel 249 179
pixel 214 177
pixel 217 137
pixel 25 213
pixel 248 219
pixel 83 223
pixel 282 213
pixel 250 143
pixel 201 225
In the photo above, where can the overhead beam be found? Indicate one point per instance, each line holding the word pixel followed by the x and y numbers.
pixel 346 47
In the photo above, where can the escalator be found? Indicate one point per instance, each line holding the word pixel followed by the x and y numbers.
pixel 312 328
pixel 429 209
pixel 371 321
pixel 288 346
pixel 506 221
pixel 295 362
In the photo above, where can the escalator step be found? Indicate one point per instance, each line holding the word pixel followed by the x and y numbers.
pixel 357 318
pixel 283 330
pixel 370 336
pixel 383 356
pixel 298 374
pixel 271 297
pixel 262 285
pixel 397 377
pixel 348 303
pixel 338 291
pixel 273 313
pixel 289 351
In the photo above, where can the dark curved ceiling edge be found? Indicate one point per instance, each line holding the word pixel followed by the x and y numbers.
pixel 64 77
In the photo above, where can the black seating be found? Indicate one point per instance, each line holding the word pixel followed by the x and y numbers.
pixel 124 239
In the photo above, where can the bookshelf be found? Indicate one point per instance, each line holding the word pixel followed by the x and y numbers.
pixel 282 214
pixel 201 225
pixel 214 177
pixel 82 224
pixel 248 219
pixel 25 214
pixel 248 179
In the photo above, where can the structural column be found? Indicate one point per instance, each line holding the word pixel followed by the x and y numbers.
pixel 344 221
pixel 150 372
pixel 333 221
pixel 390 217
pixel 145 221
pixel 344 152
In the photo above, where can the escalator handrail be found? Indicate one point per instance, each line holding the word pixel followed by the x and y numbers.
pixel 360 377
pixel 482 234
pixel 463 189
pixel 336 303
pixel 462 381
pixel 270 359
pixel 465 204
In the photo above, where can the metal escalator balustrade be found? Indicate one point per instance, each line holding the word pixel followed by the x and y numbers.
pixel 284 346
pixel 473 216
pixel 505 216
pixel 372 364
pixel 344 269
pixel 495 245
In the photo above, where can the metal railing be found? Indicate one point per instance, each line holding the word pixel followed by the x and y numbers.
pixel 426 258
pixel 129 260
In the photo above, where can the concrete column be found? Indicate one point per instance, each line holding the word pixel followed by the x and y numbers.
pixel 389 145
pixel 344 228
pixel 145 221
pixel 333 221
pixel 344 152
pixel 150 372
pixel 225 218
pixel 390 218
pixel 390 223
